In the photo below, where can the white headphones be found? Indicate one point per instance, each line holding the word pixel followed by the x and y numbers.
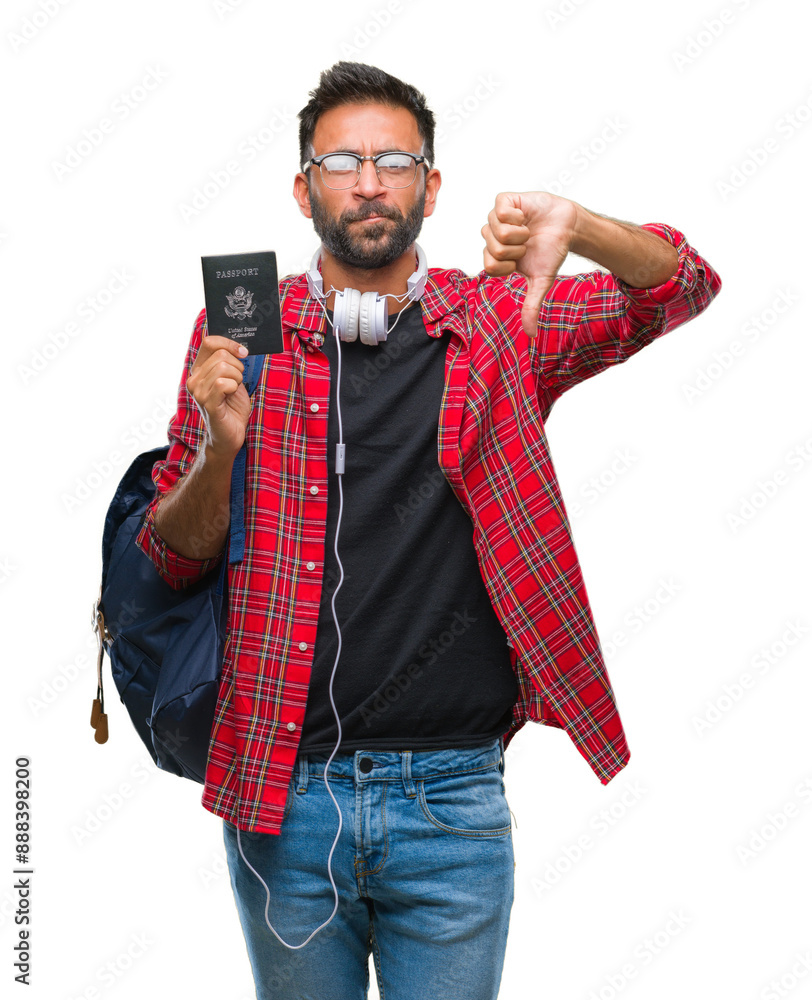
pixel 366 313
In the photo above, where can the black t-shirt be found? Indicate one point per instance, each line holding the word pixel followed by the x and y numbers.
pixel 424 661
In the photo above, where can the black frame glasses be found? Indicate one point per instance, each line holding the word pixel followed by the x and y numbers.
pixel 318 160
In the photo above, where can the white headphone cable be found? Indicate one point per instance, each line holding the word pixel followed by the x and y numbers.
pixel 339 471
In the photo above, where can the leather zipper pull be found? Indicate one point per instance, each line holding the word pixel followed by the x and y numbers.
pixel 101 728
pixel 98 719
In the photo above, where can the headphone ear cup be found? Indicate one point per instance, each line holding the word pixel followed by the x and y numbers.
pixel 345 313
pixel 372 319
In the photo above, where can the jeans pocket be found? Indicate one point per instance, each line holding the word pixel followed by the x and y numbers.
pixel 289 802
pixel 466 805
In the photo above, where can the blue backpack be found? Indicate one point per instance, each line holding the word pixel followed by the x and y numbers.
pixel 165 645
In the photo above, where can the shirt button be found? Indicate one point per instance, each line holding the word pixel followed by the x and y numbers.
pixel 314 407
pixel 303 646
pixel 314 490
pixel 291 726
pixel 311 565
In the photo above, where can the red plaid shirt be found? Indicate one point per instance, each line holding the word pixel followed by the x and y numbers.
pixel 499 389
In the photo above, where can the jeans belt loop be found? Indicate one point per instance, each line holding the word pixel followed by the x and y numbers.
pixel 502 755
pixel 303 769
pixel 406 770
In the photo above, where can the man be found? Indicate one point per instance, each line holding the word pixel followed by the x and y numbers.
pixel 462 609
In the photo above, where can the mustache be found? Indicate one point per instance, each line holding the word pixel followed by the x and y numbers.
pixel 372 209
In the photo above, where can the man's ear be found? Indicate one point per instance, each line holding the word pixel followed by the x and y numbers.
pixel 301 192
pixel 433 182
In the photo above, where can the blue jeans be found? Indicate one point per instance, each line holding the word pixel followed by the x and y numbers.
pixel 424 871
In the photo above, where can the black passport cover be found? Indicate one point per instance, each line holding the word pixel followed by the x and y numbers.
pixel 242 300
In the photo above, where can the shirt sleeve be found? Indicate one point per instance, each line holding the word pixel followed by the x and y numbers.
pixel 591 321
pixel 185 435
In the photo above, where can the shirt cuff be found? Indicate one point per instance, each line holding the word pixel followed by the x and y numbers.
pixel 683 279
pixel 178 571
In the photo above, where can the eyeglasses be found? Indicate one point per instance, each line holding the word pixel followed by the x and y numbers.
pixel 343 170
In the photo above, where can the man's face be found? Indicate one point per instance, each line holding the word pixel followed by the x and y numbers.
pixel 367 226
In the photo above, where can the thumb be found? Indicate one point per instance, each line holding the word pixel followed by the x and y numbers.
pixel 537 288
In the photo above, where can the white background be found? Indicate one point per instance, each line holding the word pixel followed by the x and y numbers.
pixel 712 823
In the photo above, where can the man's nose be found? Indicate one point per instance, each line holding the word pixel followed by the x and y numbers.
pixel 368 183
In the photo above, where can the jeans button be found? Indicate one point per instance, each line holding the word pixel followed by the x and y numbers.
pixel 365 765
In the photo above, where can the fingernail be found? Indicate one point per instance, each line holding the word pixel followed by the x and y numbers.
pixel 242 350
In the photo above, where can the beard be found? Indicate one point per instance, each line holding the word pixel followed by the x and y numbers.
pixel 379 244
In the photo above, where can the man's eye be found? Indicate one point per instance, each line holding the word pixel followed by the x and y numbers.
pixel 396 161
pixel 339 164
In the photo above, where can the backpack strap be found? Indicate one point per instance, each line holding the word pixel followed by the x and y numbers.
pixel 236 543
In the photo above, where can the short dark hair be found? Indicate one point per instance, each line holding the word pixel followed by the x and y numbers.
pixel 358 83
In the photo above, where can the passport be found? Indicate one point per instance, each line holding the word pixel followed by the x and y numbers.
pixel 242 300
